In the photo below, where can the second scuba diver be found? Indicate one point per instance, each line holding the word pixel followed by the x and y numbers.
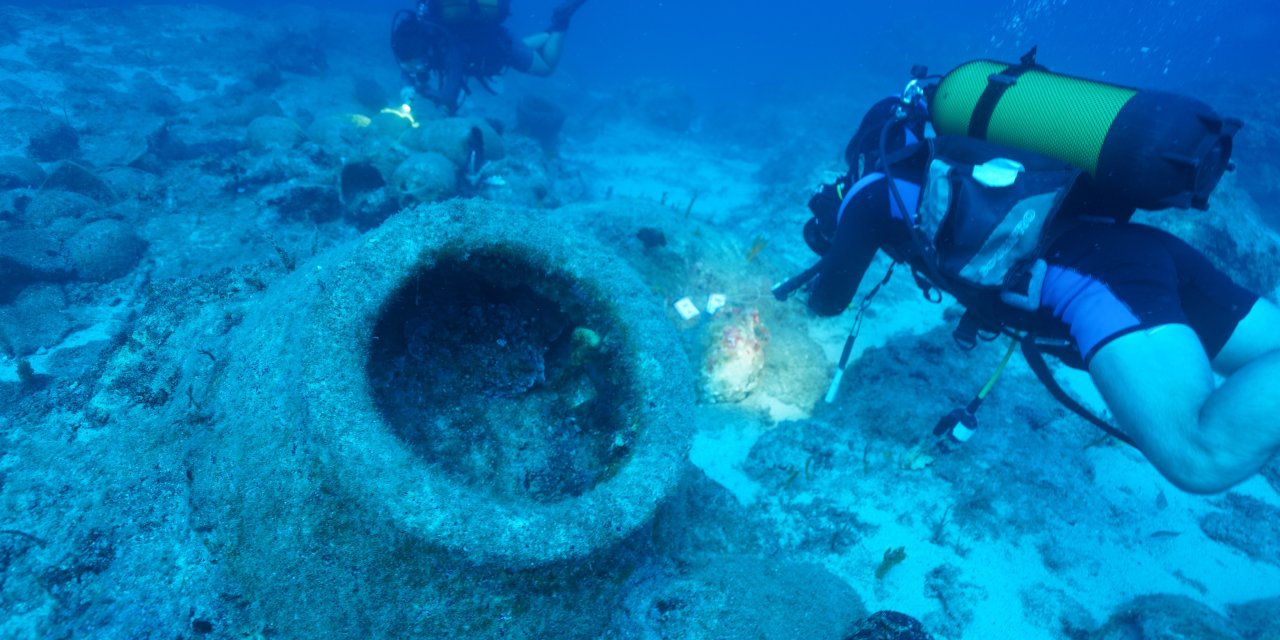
pixel 445 43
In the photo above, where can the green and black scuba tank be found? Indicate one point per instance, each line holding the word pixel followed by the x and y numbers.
pixel 1149 149
pixel 464 12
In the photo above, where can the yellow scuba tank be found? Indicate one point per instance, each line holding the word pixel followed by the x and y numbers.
pixel 1152 150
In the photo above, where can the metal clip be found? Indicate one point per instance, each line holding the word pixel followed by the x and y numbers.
pixel 1030 301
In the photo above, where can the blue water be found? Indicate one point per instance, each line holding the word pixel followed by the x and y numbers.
pixel 754 50
pixel 743 49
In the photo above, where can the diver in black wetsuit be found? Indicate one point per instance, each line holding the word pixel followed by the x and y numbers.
pixel 1150 318
pixel 445 43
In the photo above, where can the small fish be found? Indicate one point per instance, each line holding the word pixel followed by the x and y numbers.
pixel 1164 535
pixel 756 247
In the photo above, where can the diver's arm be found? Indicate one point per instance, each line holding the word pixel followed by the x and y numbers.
pixel 864 219
pixel 409 87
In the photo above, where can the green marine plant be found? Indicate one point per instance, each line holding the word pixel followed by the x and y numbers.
pixel 689 209
pixel 892 558
pixel 939 536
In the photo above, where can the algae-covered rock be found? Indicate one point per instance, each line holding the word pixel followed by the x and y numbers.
pixel 241 110
pixel 32 254
pixel 889 625
pixel 119 139
pixel 339 131
pixel 44 136
pixel 387 125
pixel 127 182
pixel 1257 619
pixel 273 133
pixel 17 172
pixel 151 96
pixel 53 142
pixel 104 250
pixel 317 203
pixel 456 139
pixel 741 598
pixel 425 177
pixel 76 178
pixel 49 205
pixel 1248 524
pixel 34 320
pixel 1165 617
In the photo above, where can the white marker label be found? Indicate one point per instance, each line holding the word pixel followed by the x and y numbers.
pixel 686 309
pixel 715 302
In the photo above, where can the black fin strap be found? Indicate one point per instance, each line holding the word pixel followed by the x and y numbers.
pixel 1035 359
pixel 966 332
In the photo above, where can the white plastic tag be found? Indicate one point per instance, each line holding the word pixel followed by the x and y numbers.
pixel 998 172
pixel 715 302
pixel 686 309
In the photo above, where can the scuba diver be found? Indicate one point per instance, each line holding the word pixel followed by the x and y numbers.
pixel 988 190
pixel 445 43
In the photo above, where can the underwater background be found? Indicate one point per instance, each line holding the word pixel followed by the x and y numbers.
pixel 279 359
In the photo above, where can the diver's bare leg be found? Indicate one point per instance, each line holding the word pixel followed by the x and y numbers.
pixel 1160 388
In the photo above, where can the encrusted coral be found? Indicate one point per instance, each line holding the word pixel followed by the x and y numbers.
pixel 735 358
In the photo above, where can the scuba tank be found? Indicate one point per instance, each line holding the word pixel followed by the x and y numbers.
pixel 1149 149
pixel 460 12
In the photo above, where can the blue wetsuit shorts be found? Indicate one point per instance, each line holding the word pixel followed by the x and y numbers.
pixel 1106 280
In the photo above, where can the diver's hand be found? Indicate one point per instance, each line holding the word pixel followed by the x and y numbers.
pixel 563 14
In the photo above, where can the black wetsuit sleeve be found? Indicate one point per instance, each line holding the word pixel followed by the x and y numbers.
pixel 862 228
pixel 454 80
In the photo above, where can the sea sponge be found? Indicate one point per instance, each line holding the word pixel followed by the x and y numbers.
pixel 735 357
